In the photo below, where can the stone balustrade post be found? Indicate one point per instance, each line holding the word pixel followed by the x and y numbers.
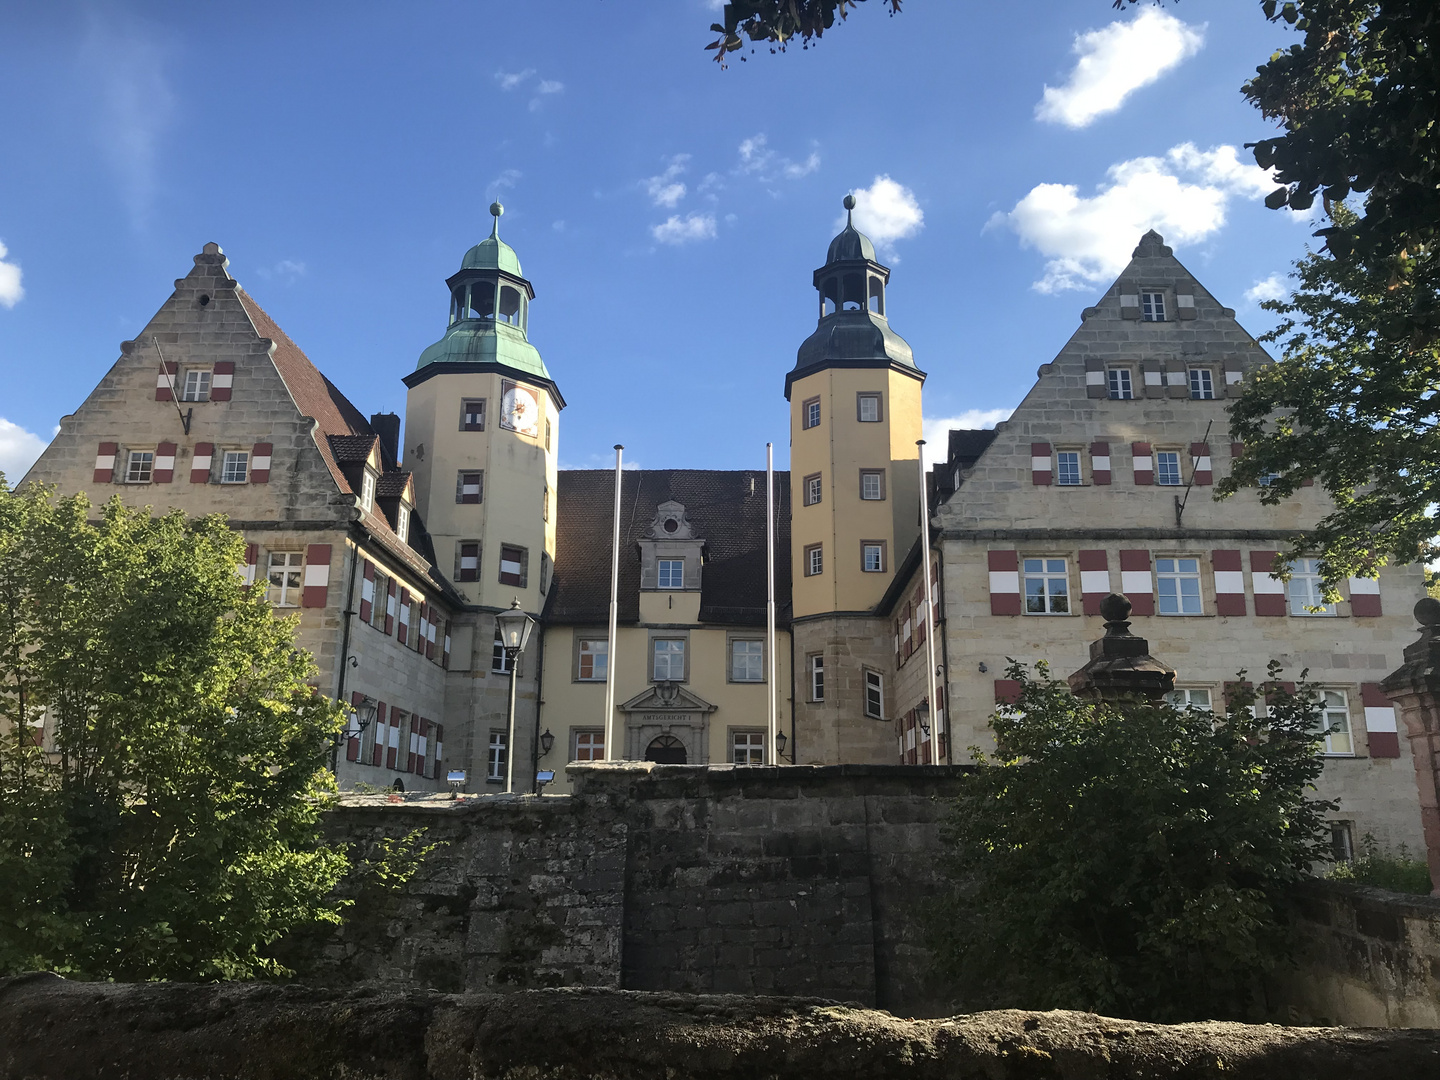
pixel 1414 688
pixel 1121 667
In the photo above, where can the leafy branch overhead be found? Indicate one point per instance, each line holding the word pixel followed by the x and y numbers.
pixel 778 22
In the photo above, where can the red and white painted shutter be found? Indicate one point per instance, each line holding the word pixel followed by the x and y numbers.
pixel 402 635
pixel 165 380
pixel 367 592
pixel 352 742
pixel 1094 579
pixel 445 652
pixel 390 606
pixel 1144 462
pixel 439 750
pixel 1004 582
pixel 422 627
pixel 260 463
pixel 377 752
pixel 316 592
pixel 415 723
pixel 1364 596
pixel 1229 581
pixel 922 612
pixel 105 462
pixel 221 380
pixel 1380 729
pixel 392 742
pixel 430 634
pixel 1204 472
pixel 423 754
pixel 1269 593
pixel 200 463
pixel 1137 582
pixel 1100 463
pixel 252 556
pixel 164 463
pixel 1040 468
pixel 1007 691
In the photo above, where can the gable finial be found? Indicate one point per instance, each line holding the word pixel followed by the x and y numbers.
pixel 849 202
pixel 495 211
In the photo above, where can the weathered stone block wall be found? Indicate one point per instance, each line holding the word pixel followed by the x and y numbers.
pixel 808 880
pixel 1373 960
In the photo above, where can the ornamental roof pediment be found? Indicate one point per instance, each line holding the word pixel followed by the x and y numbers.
pixel 667 697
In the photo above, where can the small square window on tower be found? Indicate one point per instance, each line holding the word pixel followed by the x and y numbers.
pixel 814 560
pixel 512 565
pixel 872 484
pixel 810 413
pixel 469 486
pixel 472 415
pixel 867 408
pixel 812 489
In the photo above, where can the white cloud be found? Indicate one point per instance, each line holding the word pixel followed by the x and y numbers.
pixel 678 230
pixel 936 429
pixel 558 225
pixel 886 211
pixel 1270 288
pixel 507 179
pixel 1089 239
pixel 550 86
pixel 127 61
pixel 756 158
pixel 11 291
pixel 18 450
pixel 1117 60
pixel 286 270
pixel 666 189
pixel 509 80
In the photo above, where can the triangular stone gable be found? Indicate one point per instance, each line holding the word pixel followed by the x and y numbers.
pixel 667 697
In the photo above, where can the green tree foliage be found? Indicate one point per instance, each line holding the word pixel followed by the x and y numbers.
pixel 778 22
pixel 1384 869
pixel 173 831
pixel 1355 402
pixel 1131 860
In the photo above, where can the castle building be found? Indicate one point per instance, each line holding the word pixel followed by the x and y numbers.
pixel 397 558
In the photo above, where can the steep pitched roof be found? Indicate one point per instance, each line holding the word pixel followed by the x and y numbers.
pixel 727 510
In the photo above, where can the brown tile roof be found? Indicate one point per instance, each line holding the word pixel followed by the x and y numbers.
pixel 392 485
pixel 351 449
pixel 727 510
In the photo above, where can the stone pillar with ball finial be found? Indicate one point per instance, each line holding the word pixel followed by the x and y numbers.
pixel 1414 688
pixel 1121 667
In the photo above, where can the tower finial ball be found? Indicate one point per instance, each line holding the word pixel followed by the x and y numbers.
pixel 496 209
pixel 849 202
pixel 1115 607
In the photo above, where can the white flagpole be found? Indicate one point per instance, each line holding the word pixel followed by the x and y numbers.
pixel 772 724
pixel 610 674
pixel 937 715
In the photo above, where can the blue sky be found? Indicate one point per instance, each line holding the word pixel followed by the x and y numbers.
pixel 1006 158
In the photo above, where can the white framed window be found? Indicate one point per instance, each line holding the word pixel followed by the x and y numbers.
pixel 814 560
pixel 196 386
pixel 367 490
pixel 1342 841
pixel 872 558
pixel 589 744
pixel 747 660
pixel 1118 380
pixel 402 522
pixel 1152 306
pixel 285 574
pixel 817 677
pixel 592 660
pixel 812 413
pixel 1189 698
pixel 1047 587
pixel 1067 468
pixel 1334 720
pixel 499 659
pixel 668 659
pixel 1167 468
pixel 472 414
pixel 1202 384
pixel 1306 597
pixel 140 466
pixel 1177 583
pixel 872 484
pixel 747 747
pixel 495 756
pixel 235 467
pixel 379 608
pixel 867 408
pixel 812 489
pixel 670 574
pixel 874 694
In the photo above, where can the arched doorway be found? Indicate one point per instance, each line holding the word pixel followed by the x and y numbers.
pixel 666 750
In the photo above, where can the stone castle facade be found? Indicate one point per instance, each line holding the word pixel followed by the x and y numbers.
pixel 397 554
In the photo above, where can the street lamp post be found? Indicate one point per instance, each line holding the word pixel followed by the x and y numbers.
pixel 515 627
pixel 361 716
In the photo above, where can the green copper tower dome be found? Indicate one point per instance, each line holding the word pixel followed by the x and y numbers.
pixel 489 314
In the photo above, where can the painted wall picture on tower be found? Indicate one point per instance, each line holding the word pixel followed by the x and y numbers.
pixel 519 409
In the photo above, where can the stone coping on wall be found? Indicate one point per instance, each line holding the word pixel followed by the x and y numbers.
pixel 647 780
pixel 52 1028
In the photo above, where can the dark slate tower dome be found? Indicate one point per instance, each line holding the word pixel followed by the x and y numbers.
pixel 854 331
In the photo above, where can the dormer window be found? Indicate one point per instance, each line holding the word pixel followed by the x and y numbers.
pixel 1152 307
pixel 367 491
pixel 671 573
pixel 402 522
